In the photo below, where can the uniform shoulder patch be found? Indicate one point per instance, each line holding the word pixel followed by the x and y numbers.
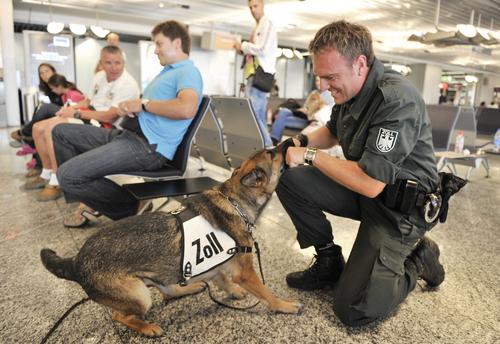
pixel 386 140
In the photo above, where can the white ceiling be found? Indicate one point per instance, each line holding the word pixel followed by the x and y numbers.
pixel 390 21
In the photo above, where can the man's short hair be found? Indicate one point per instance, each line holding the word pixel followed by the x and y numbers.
pixel 111 49
pixel 112 34
pixel 350 40
pixel 173 29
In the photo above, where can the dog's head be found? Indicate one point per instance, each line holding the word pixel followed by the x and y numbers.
pixel 260 172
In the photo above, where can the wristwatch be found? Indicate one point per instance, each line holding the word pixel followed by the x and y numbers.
pixel 144 103
pixel 77 114
pixel 310 155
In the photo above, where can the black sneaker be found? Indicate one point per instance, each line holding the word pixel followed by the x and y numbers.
pixel 324 271
pixel 426 259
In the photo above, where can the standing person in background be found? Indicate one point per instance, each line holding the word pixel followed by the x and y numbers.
pixel 113 39
pixel 442 98
pixel 260 51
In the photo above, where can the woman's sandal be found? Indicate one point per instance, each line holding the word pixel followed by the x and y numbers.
pixel 80 217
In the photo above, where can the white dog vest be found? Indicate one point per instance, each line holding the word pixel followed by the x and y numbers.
pixel 204 247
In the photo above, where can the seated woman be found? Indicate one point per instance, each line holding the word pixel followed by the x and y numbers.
pixel 318 112
pixel 300 117
pixel 68 92
pixel 45 110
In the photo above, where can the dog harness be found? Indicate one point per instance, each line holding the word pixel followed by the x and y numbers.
pixel 203 246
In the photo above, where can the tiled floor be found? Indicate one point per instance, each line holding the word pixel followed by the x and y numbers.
pixel 465 309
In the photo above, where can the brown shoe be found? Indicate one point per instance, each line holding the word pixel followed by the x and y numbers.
pixel 35 183
pixel 35 172
pixel 16 135
pixel 49 193
pixel 80 217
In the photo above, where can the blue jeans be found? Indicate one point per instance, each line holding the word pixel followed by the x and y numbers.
pixel 285 116
pixel 86 154
pixel 258 99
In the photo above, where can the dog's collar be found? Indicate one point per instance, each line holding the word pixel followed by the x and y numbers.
pixel 250 225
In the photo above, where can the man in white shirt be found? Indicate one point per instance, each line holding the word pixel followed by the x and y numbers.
pixel 110 87
pixel 260 51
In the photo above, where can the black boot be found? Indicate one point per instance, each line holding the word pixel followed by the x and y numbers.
pixel 325 271
pixel 426 259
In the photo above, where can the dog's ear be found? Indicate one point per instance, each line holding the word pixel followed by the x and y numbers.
pixel 256 178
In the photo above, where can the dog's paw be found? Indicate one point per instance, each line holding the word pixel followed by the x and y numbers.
pixel 289 307
pixel 236 292
pixel 151 330
pixel 197 287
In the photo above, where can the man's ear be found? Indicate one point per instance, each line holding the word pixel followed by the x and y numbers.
pixel 255 178
pixel 177 43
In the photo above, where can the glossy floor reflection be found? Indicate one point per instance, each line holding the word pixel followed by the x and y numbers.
pixel 465 309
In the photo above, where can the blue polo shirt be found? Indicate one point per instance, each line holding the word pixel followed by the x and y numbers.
pixel 165 132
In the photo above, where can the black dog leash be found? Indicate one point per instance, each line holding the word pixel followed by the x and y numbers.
pixel 61 319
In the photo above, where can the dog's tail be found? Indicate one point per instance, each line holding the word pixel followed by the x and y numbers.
pixel 61 267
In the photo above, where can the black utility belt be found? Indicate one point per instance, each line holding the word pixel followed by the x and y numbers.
pixel 405 196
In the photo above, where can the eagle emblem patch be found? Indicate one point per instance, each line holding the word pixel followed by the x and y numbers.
pixel 386 140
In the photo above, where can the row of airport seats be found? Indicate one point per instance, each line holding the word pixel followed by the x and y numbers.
pixel 447 121
pixel 223 132
pixel 229 132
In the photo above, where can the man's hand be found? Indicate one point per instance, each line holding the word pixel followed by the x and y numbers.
pixel 295 156
pixel 129 107
pixel 66 112
pixel 83 104
pixel 284 146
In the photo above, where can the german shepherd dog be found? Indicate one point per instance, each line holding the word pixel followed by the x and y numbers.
pixel 116 265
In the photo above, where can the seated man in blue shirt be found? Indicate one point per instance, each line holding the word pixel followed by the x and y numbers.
pixel 87 154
